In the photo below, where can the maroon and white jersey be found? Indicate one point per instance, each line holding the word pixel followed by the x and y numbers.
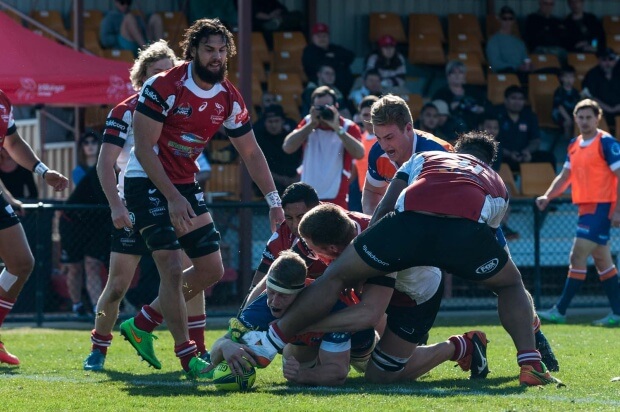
pixel 119 131
pixel 190 117
pixel 452 184
pixel 7 124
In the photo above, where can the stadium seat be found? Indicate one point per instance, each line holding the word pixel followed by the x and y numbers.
pixel 290 104
pixel 288 40
pixel 415 103
pixel 473 66
pixel 464 23
pixel 257 91
pixel 497 83
pixel 91 42
pixel 116 54
pixel 426 49
pixel 259 47
pixel 611 25
pixel 258 68
pixel 225 181
pixel 509 180
pixel 94 116
pixel 381 24
pixel 536 178
pixel 422 23
pixel 541 89
pixel 544 61
pixel 91 19
pixel 287 62
pixel 466 43
pixel 52 20
pixel 285 83
pixel 174 24
pixel 493 23
pixel 613 41
pixel 17 19
pixel 582 62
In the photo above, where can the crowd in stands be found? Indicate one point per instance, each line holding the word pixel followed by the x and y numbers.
pixel 328 145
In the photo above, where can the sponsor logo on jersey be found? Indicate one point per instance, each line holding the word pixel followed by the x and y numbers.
pixel 116 124
pixel 488 267
pixel 154 201
pixel 373 257
pixel 242 117
pixel 184 109
pixel 203 106
pixel 191 138
pixel 153 96
pixel 268 255
pixel 219 108
pixel 217 119
pixel 157 211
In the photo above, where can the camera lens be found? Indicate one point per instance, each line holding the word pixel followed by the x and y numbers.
pixel 326 113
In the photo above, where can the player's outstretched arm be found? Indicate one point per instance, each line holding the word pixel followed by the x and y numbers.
pixel 557 187
pixel 23 154
pixel 386 205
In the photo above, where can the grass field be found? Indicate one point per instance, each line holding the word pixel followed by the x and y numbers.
pixel 51 378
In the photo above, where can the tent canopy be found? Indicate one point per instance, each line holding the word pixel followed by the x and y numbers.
pixel 37 70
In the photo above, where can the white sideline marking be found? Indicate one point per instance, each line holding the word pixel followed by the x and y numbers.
pixel 137 382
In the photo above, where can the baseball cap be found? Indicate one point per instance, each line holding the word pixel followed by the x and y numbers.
pixel 275 110
pixel 387 41
pixel 606 53
pixel 320 28
pixel 442 107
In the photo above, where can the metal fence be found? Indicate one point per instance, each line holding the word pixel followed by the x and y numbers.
pixel 541 252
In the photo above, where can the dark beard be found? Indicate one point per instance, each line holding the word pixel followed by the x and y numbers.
pixel 207 75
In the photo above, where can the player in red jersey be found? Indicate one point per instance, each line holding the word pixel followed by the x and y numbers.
pixel 411 299
pixel 127 244
pixel 447 217
pixel 14 249
pixel 592 169
pixel 297 199
pixel 178 112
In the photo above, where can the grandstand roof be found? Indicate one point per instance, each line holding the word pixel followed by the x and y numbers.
pixel 37 70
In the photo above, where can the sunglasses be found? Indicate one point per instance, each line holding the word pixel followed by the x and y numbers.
pixel 508 18
pixel 90 142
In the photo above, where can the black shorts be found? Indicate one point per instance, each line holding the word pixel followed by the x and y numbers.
pixel 401 240
pixel 84 234
pixel 72 247
pixel 150 206
pixel 411 323
pixel 8 217
pixel 128 242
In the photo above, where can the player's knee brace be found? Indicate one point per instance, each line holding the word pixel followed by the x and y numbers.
pixel 201 242
pixel 160 238
pixel 388 363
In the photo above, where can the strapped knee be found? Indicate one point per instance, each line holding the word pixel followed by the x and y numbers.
pixel 201 242
pixel 160 238
pixel 388 363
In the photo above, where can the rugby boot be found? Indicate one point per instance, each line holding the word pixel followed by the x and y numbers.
pixel 94 361
pixel 531 377
pixel 142 342
pixel 548 358
pixel 610 321
pixel 552 315
pixel 476 363
pixel 6 357
pixel 196 367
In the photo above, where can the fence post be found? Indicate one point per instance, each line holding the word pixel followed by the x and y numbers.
pixel 537 279
pixel 39 263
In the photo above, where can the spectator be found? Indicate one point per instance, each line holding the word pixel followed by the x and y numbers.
pixel 330 143
pixel 326 76
pixel 360 166
pixel 270 135
pixel 88 151
pixel 544 32
pixel 447 128
pixel 466 102
pixel 594 155
pixel 602 84
pixel 519 135
pixel 428 120
pixel 584 30
pixel 390 64
pixel 271 15
pixel 225 10
pixel 17 180
pixel 321 51
pixel 371 85
pixel 267 99
pixel 507 53
pixel 121 29
pixel 85 243
pixel 565 98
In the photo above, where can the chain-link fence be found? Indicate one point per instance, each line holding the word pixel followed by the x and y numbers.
pixel 71 248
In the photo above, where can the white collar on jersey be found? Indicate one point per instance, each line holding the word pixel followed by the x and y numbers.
pixel 202 93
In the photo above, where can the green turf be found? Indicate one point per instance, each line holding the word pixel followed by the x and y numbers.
pixel 51 379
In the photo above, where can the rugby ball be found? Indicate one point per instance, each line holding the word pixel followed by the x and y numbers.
pixel 224 380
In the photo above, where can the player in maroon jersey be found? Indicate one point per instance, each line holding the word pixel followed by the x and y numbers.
pixel 178 112
pixel 14 249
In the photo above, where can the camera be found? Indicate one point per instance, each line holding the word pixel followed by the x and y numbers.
pixel 325 112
